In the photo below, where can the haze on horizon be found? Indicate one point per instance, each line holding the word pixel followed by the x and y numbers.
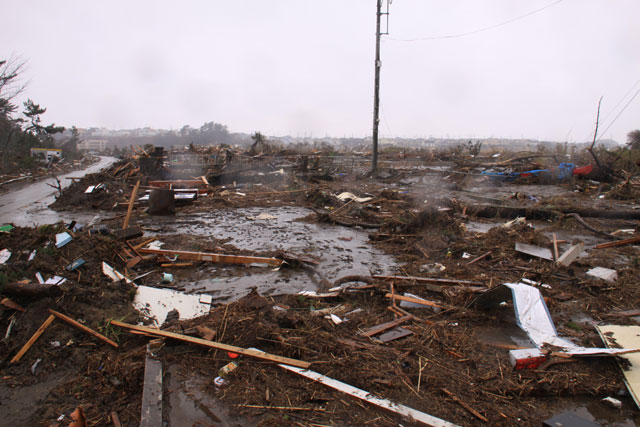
pixel 301 67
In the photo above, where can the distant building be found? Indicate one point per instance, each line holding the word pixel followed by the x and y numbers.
pixel 93 145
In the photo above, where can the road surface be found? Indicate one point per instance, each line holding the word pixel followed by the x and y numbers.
pixel 29 206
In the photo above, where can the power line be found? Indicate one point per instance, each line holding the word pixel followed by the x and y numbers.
pixel 621 99
pixel 480 30
pixel 618 115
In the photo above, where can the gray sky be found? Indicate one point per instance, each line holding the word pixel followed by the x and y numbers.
pixel 302 67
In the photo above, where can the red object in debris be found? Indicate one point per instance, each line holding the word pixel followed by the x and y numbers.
pixel 529 358
pixel 232 355
pixel 583 170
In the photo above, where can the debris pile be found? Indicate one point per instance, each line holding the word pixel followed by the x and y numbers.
pixel 501 304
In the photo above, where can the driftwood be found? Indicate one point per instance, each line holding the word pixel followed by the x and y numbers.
pixel 31 289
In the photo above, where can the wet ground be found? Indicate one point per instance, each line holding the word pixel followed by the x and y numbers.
pixel 344 251
pixel 28 206
pixel 341 251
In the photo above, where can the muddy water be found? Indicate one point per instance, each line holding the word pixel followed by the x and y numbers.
pixel 342 251
pixel 191 405
pixel 29 206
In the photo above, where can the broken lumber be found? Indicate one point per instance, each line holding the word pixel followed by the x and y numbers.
pixel 212 344
pixel 402 410
pixel 151 410
pixel 429 280
pixel 33 339
pixel 385 326
pixel 83 328
pixel 134 192
pixel 11 304
pixel 413 300
pixel 630 241
pixel 570 255
pixel 219 258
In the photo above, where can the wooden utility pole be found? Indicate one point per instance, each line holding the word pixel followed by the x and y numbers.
pixel 376 90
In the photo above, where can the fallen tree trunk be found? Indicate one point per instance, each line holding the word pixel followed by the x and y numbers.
pixel 492 211
pixel 31 289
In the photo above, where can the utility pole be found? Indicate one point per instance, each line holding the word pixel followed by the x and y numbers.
pixel 376 89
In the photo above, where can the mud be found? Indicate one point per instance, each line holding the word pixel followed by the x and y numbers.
pixel 414 226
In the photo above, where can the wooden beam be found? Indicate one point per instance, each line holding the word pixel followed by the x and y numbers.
pixel 399 409
pixel 414 300
pixel 429 280
pixel 134 192
pixel 212 344
pixel 219 258
pixel 619 243
pixel 83 328
pixel 385 326
pixel 33 339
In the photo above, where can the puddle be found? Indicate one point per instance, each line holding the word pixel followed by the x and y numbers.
pixel 189 405
pixel 343 251
pixel 601 413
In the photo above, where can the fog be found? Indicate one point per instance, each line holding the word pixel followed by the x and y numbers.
pixel 305 68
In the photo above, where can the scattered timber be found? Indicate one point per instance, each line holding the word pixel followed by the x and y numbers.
pixel 212 344
pixel 210 257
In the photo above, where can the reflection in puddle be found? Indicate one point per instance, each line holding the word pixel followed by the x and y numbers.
pixel 342 251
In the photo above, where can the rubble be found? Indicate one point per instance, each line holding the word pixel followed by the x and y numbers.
pixel 396 342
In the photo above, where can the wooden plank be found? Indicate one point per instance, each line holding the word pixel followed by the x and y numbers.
pixel 385 326
pixel 212 344
pixel 151 411
pixel 145 243
pixel 570 255
pixel 399 409
pixel 429 280
pixel 394 334
pixel 555 247
pixel 619 243
pixel 83 328
pixel 535 251
pixel 414 300
pixel 33 339
pixel 210 257
pixel 134 192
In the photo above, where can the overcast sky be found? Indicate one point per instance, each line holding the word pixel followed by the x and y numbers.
pixel 302 67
